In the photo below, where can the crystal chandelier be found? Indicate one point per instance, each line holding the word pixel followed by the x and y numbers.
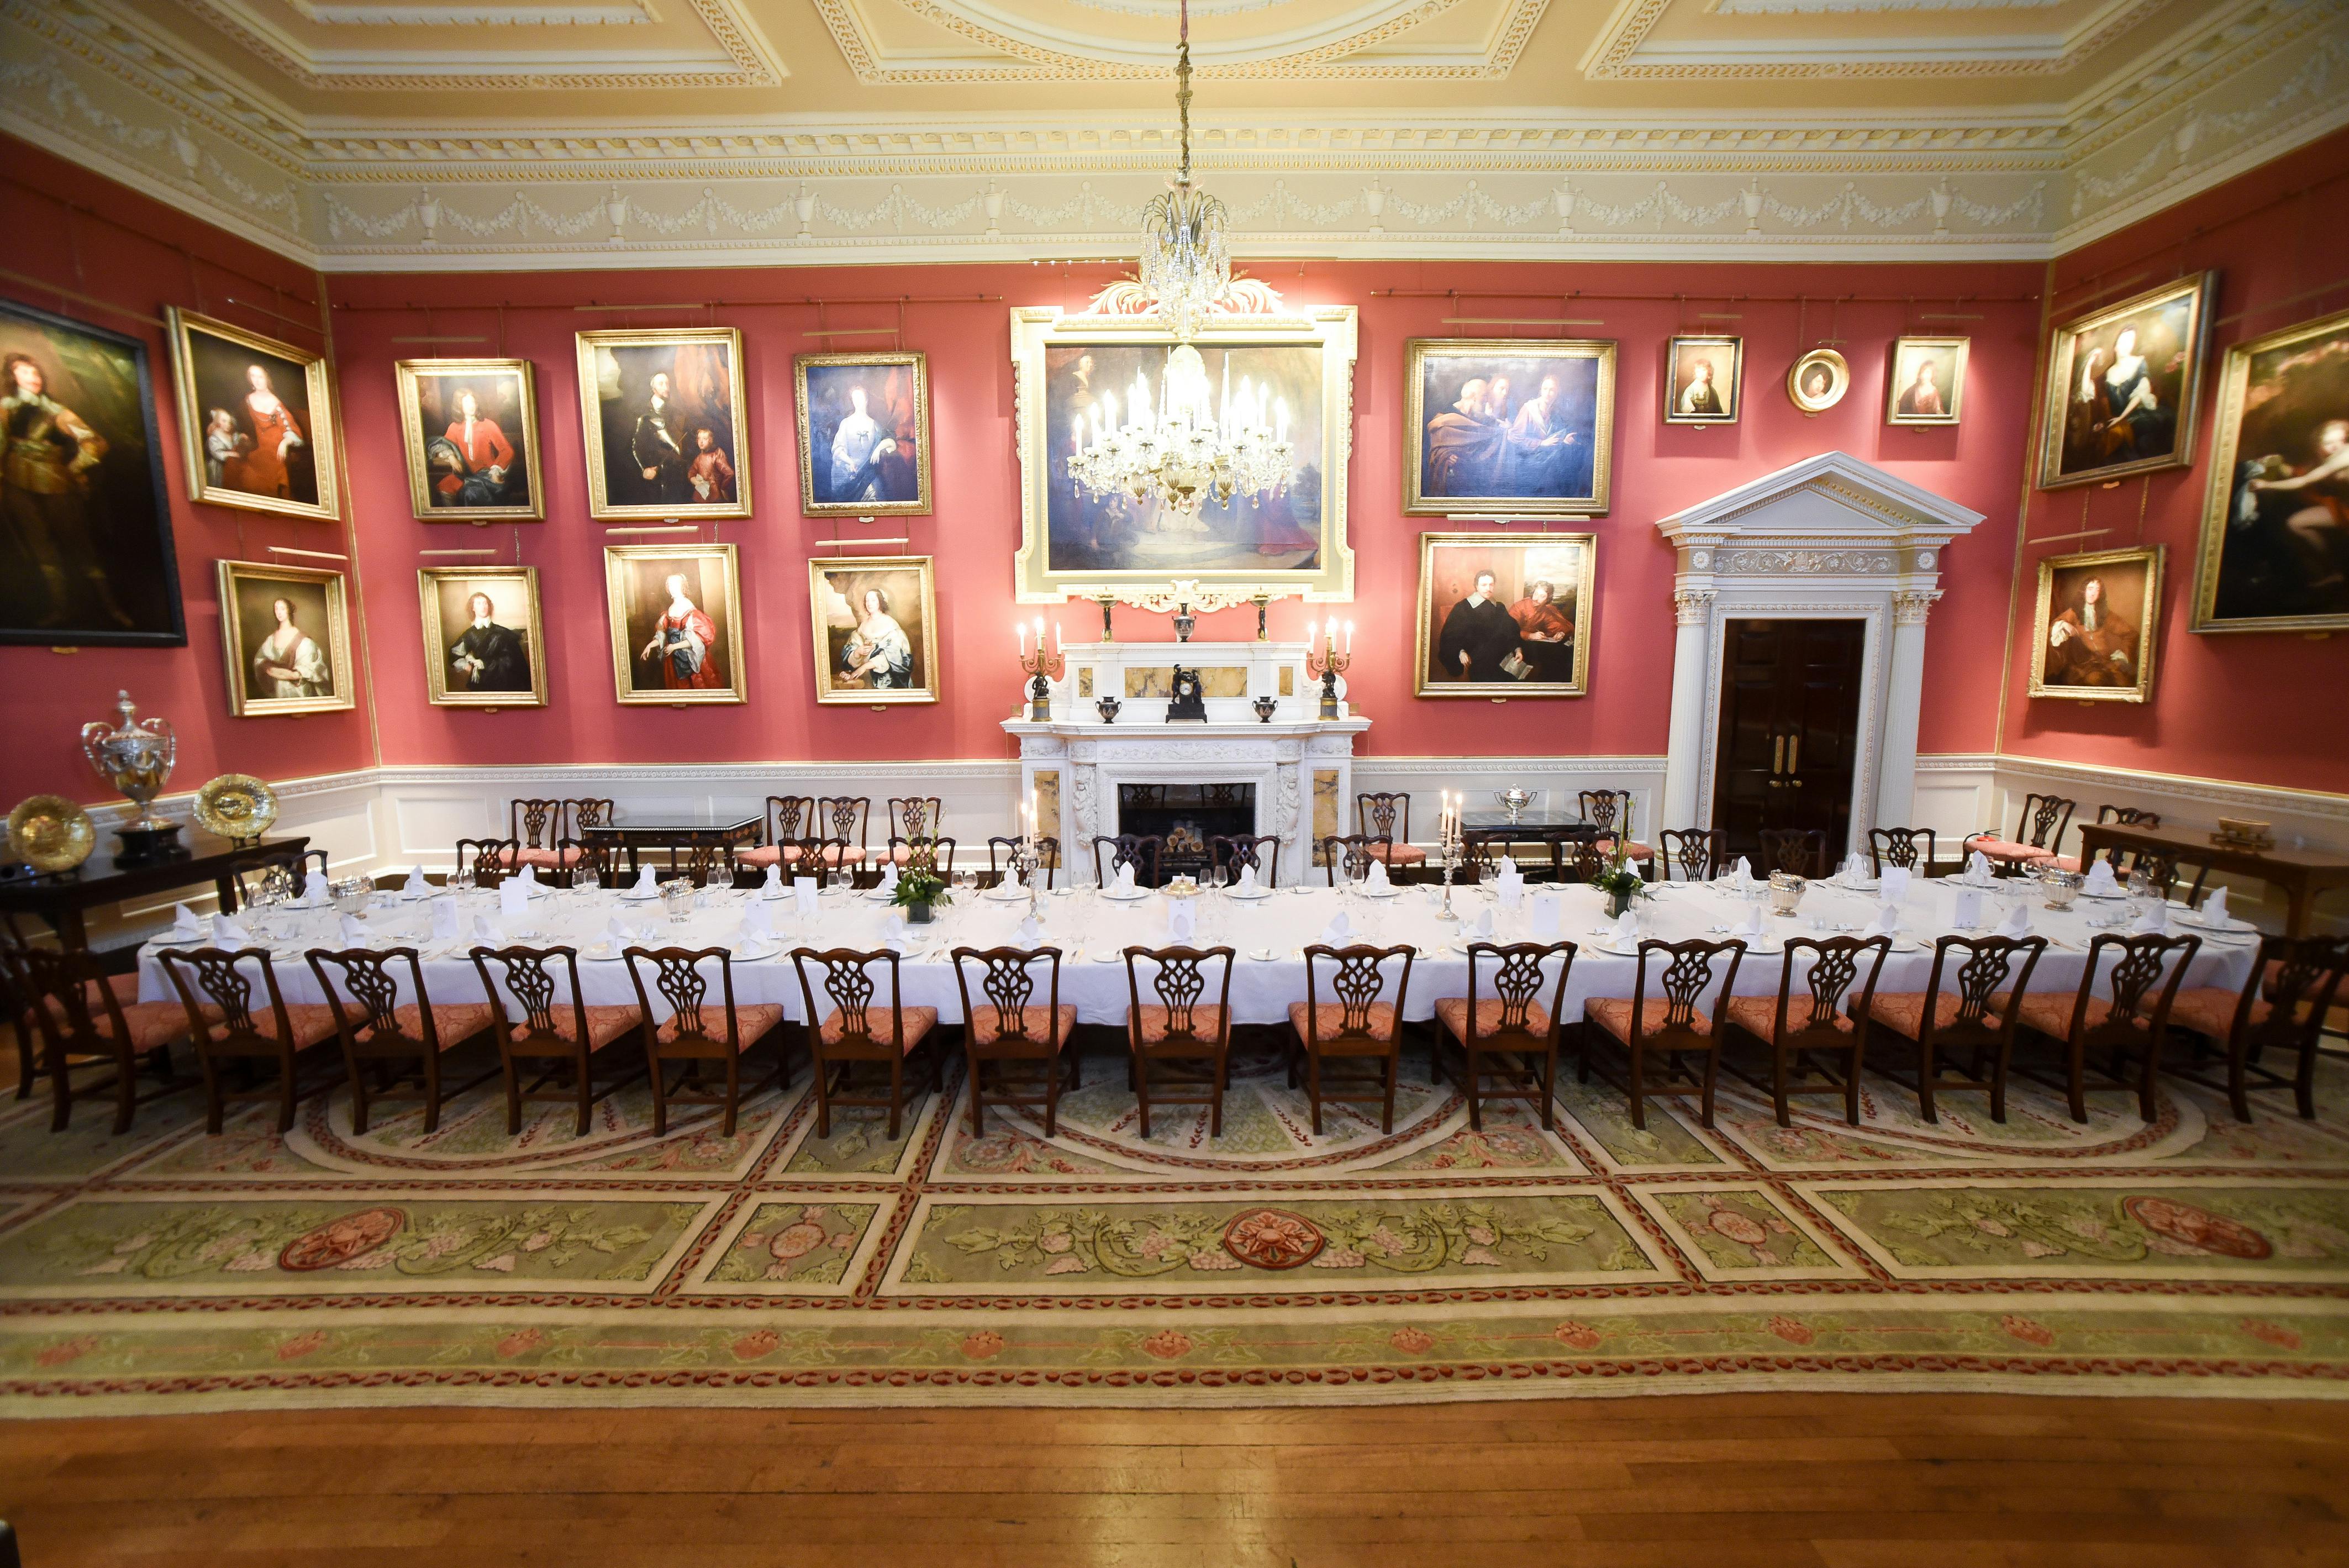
pixel 1184 260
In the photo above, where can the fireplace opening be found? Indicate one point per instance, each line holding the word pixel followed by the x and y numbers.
pixel 1184 817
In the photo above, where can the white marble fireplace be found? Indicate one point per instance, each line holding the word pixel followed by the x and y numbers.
pixel 1300 767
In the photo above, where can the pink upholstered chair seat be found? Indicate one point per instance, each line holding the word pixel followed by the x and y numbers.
pixel 1035 1021
pixel 1330 1019
pixel 919 1022
pixel 751 1023
pixel 1155 1023
pixel 2007 849
pixel 605 1024
pixel 2209 1011
pixel 1758 1015
pixel 1613 1013
pixel 453 1022
pixel 1399 854
pixel 1452 1013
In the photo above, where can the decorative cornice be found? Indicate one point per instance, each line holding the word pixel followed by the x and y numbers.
pixel 1622 52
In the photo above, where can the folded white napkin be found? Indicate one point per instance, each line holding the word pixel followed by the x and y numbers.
pixel 184 923
pixel 1886 924
pixel 489 932
pixel 1182 919
pixel 1031 931
pixel 773 885
pixel 1484 923
pixel 314 888
pixel 2154 921
pixel 1547 907
pixel 2017 923
pixel 2100 881
pixel 1966 911
pixel 1741 873
pixel 1247 884
pixel 1750 927
pixel 2214 909
pixel 1978 867
pixel 1335 933
pixel 229 931
pixel 1377 880
pixel 444 916
pixel 1125 883
pixel 646 881
pixel 528 879
pixel 417 886
pixel 1895 886
pixel 803 892
pixel 1507 868
pixel 889 877
pixel 1625 933
pixel 619 933
pixel 353 934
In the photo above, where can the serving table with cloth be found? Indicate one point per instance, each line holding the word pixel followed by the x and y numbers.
pixel 1091 928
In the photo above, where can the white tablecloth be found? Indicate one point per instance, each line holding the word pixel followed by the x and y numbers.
pixel 1085 926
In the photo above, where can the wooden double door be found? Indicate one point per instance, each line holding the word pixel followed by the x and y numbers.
pixel 1789 730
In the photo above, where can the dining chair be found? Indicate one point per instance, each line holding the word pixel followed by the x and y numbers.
pixel 1231 851
pixel 1692 854
pixel 1602 808
pixel 557 1028
pixel 847 1035
pixel 2124 1027
pixel 2038 835
pixel 2117 817
pixel 1181 1035
pixel 821 858
pixel 846 817
pixel 490 858
pixel 1816 1045
pixel 697 1032
pixel 1968 1032
pixel 216 994
pixel 912 819
pixel 401 1042
pixel 1906 848
pixel 698 863
pixel 1047 855
pixel 1139 850
pixel 1351 853
pixel 933 855
pixel 17 999
pixel 1007 1030
pixel 537 828
pixel 1355 1027
pixel 1801 851
pixel 601 855
pixel 1386 815
pixel 789 819
pixel 2279 1015
pixel 1672 1026
pixel 1509 1025
pixel 82 1017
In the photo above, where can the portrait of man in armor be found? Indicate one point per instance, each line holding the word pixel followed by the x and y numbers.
pixel 666 427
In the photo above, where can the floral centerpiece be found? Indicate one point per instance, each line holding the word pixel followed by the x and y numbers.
pixel 919 891
pixel 1618 880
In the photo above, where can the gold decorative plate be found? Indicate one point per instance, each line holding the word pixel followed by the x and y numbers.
pixel 236 805
pixel 50 833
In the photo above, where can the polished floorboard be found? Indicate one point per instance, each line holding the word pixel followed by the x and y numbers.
pixel 1699 1482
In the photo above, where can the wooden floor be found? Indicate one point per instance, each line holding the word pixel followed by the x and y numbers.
pixel 1681 1482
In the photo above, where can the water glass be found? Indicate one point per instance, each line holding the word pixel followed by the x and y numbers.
pixel 676 897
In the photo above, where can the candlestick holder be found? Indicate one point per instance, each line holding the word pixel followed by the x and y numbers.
pixel 1041 669
pixel 1326 668
pixel 1449 848
pixel 1028 858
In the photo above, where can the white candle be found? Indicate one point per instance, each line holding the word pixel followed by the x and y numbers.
pixel 1056 637
pixel 1021 628
pixel 1349 638
pixel 1310 626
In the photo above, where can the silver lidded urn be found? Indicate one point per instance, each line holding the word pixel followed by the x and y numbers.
pixel 135 755
pixel 1513 801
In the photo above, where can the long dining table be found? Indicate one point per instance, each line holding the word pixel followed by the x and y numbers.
pixel 1091 929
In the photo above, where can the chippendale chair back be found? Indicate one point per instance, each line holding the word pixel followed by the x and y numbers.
pixel 915 816
pixel 362 987
pixel 2278 1017
pixel 935 855
pixel 1261 850
pixel 701 862
pixel 1503 1017
pixel 818 858
pixel 2122 1031
pixel 789 818
pixel 1908 848
pixel 1351 853
pixel 537 823
pixel 1383 814
pixel 1692 854
pixel 555 1026
pixel 698 1030
pixel 845 817
pixel 1005 1024
pixel 1816 1028
pixel 601 855
pixel 1139 850
pixel 1601 807
pixel 218 994
pixel 2038 833
pixel 592 810
pixel 1181 1041
pixel 1047 855
pixel 1358 1022
pixel 1800 850
pixel 491 859
pixel 1970 1031
pixel 1667 1029
pixel 73 1009
pixel 860 1027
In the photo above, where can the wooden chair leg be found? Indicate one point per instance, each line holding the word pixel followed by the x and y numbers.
pixel 513 1075
pixel 660 1097
pixel 1394 1071
pixel 1215 1098
pixel 1925 1084
pixel 977 1102
pixel 1851 1089
pixel 2076 1080
pixel 1550 1088
pixel 1469 1072
pixel 1137 1074
pixel 285 1093
pixel 2303 1082
pixel 1313 1088
pixel 1052 1100
pixel 126 1089
pixel 1638 1083
pixel 897 1092
pixel 433 1093
pixel 27 1070
pixel 823 1091
pixel 1777 1086
pixel 1711 1073
pixel 584 1081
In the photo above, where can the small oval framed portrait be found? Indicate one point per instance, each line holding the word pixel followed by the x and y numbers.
pixel 1818 380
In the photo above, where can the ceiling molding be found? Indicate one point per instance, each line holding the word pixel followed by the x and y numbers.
pixel 1624 51
pixel 325 13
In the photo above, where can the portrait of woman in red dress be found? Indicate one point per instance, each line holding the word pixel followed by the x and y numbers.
pixel 256 419
pixel 684 644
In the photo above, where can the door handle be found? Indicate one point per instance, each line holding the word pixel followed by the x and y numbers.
pixel 1794 752
pixel 1777 755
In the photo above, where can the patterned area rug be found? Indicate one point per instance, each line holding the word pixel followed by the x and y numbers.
pixel 168 1271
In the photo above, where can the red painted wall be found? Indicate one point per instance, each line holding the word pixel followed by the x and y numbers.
pixel 1659 470
pixel 2235 705
pixel 90 236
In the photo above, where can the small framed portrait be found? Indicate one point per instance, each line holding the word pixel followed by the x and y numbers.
pixel 256 420
pixel 1818 380
pixel 2095 630
pixel 864 433
pixel 1523 426
pixel 666 429
pixel 1927 379
pixel 85 553
pixel 677 624
pixel 876 628
pixel 484 644
pixel 2275 528
pixel 1505 615
pixel 285 633
pixel 471 430
pixel 2123 385
pixel 1703 379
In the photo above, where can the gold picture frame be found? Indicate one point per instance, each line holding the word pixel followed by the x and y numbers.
pixel 1684 354
pixel 254 443
pixel 1514 652
pixel 1904 384
pixel 430 394
pixel 2302 373
pixel 2111 660
pixel 622 429
pixel 705 666
pixel 1444 372
pixel 1798 379
pixel 497 666
pixel 858 661
pixel 2081 439
pixel 1074 547
pixel 823 387
pixel 270 672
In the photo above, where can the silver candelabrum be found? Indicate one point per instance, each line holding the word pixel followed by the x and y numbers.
pixel 1449 851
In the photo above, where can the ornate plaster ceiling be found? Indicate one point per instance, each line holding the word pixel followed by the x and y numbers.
pixel 634 132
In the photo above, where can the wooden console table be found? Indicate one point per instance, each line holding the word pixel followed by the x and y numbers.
pixel 2302 874
pixel 62 898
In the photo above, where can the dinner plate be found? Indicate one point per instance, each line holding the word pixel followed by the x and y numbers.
pixel 1252 895
pixel 633 897
pixel 2116 894
pixel 1114 897
pixel 1388 892
pixel 602 952
pixel 168 941
pixel 1008 893
pixel 1263 955
pixel 2232 927
pixel 1109 955
pixel 751 952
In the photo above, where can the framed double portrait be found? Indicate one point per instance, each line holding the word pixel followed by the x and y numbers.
pixel 256 420
pixel 664 421
pixel 1518 426
pixel 1505 615
pixel 2123 384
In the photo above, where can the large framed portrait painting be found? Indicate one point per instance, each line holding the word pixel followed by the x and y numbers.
pixel 86 555
pixel 256 420
pixel 2275 528
pixel 677 624
pixel 285 635
pixel 484 644
pixel 666 427
pixel 2123 385
pixel 876 628
pixel 1505 615
pixel 2094 631
pixel 469 428
pixel 1520 426
pixel 864 433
